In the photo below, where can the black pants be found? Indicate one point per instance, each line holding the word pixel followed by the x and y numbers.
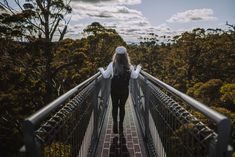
pixel 119 101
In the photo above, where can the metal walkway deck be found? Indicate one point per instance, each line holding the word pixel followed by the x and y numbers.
pixel 130 144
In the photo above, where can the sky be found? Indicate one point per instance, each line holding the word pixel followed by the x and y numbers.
pixel 136 18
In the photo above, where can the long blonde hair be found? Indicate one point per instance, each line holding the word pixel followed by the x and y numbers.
pixel 121 63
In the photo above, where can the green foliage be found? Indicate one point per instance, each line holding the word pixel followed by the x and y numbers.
pixel 22 91
pixel 23 84
pixel 58 149
pixel 24 77
pixel 32 74
pixel 33 19
pixel 228 94
pixel 12 26
pixel 186 135
pixel 102 43
pixel 192 63
pixel 200 63
pixel 207 92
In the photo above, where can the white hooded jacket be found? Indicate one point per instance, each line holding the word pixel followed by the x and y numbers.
pixel 109 71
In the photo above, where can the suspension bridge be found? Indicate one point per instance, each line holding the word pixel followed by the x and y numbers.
pixel 160 121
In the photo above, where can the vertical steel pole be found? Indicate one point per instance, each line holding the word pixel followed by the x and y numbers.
pixel 32 146
pixel 135 92
pixel 221 145
pixel 95 106
pixel 146 111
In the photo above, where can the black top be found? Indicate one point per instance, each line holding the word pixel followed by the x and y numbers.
pixel 120 82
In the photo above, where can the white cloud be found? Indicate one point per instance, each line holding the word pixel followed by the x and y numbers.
pixel 117 12
pixel 114 2
pixel 193 15
pixel 129 23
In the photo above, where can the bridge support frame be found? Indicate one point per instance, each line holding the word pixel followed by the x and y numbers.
pixel 95 105
pixel 146 113
pixel 32 146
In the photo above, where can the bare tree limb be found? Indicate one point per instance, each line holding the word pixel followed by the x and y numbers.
pixel 28 20
pixel 233 26
pixel 63 32
pixel 54 29
pixel 6 5
pixel 40 5
pixel 18 3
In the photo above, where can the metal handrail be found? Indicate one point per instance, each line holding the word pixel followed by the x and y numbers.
pixel 61 113
pixel 164 99
pixel 210 113
pixel 45 111
pixel 223 122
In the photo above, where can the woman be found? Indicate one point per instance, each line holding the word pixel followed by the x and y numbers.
pixel 120 70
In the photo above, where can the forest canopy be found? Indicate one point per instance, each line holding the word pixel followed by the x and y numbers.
pixel 199 63
pixel 38 69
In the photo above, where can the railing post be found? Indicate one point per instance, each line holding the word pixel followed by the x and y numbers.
pixel 222 143
pixel 146 111
pixel 135 92
pixel 32 146
pixel 106 92
pixel 95 113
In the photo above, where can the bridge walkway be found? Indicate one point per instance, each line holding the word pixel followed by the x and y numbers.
pixel 130 144
pixel 79 124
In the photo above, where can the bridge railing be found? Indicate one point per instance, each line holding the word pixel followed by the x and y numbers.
pixel 70 125
pixel 171 125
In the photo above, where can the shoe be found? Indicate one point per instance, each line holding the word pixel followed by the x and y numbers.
pixel 115 129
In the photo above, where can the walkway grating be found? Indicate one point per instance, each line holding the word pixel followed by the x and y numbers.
pixel 130 144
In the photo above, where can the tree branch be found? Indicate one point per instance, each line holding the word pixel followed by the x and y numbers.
pixel 55 27
pixel 40 5
pixel 6 5
pixel 28 20
pixel 18 3
pixel 63 32
pixel 233 26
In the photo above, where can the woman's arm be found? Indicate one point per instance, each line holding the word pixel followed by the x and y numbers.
pixel 108 72
pixel 135 72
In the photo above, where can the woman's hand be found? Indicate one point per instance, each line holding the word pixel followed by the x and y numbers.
pixel 139 66
pixel 100 69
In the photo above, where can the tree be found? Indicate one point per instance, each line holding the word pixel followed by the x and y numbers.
pixel 200 62
pixel 38 19
pixel 23 86
pixel 22 90
pixel 199 56
pixel 207 92
pixel 184 57
pixel 228 95
pixel 11 24
pixel 69 62
pixel 102 43
pixel 230 25
pixel 146 53
pixel 24 79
